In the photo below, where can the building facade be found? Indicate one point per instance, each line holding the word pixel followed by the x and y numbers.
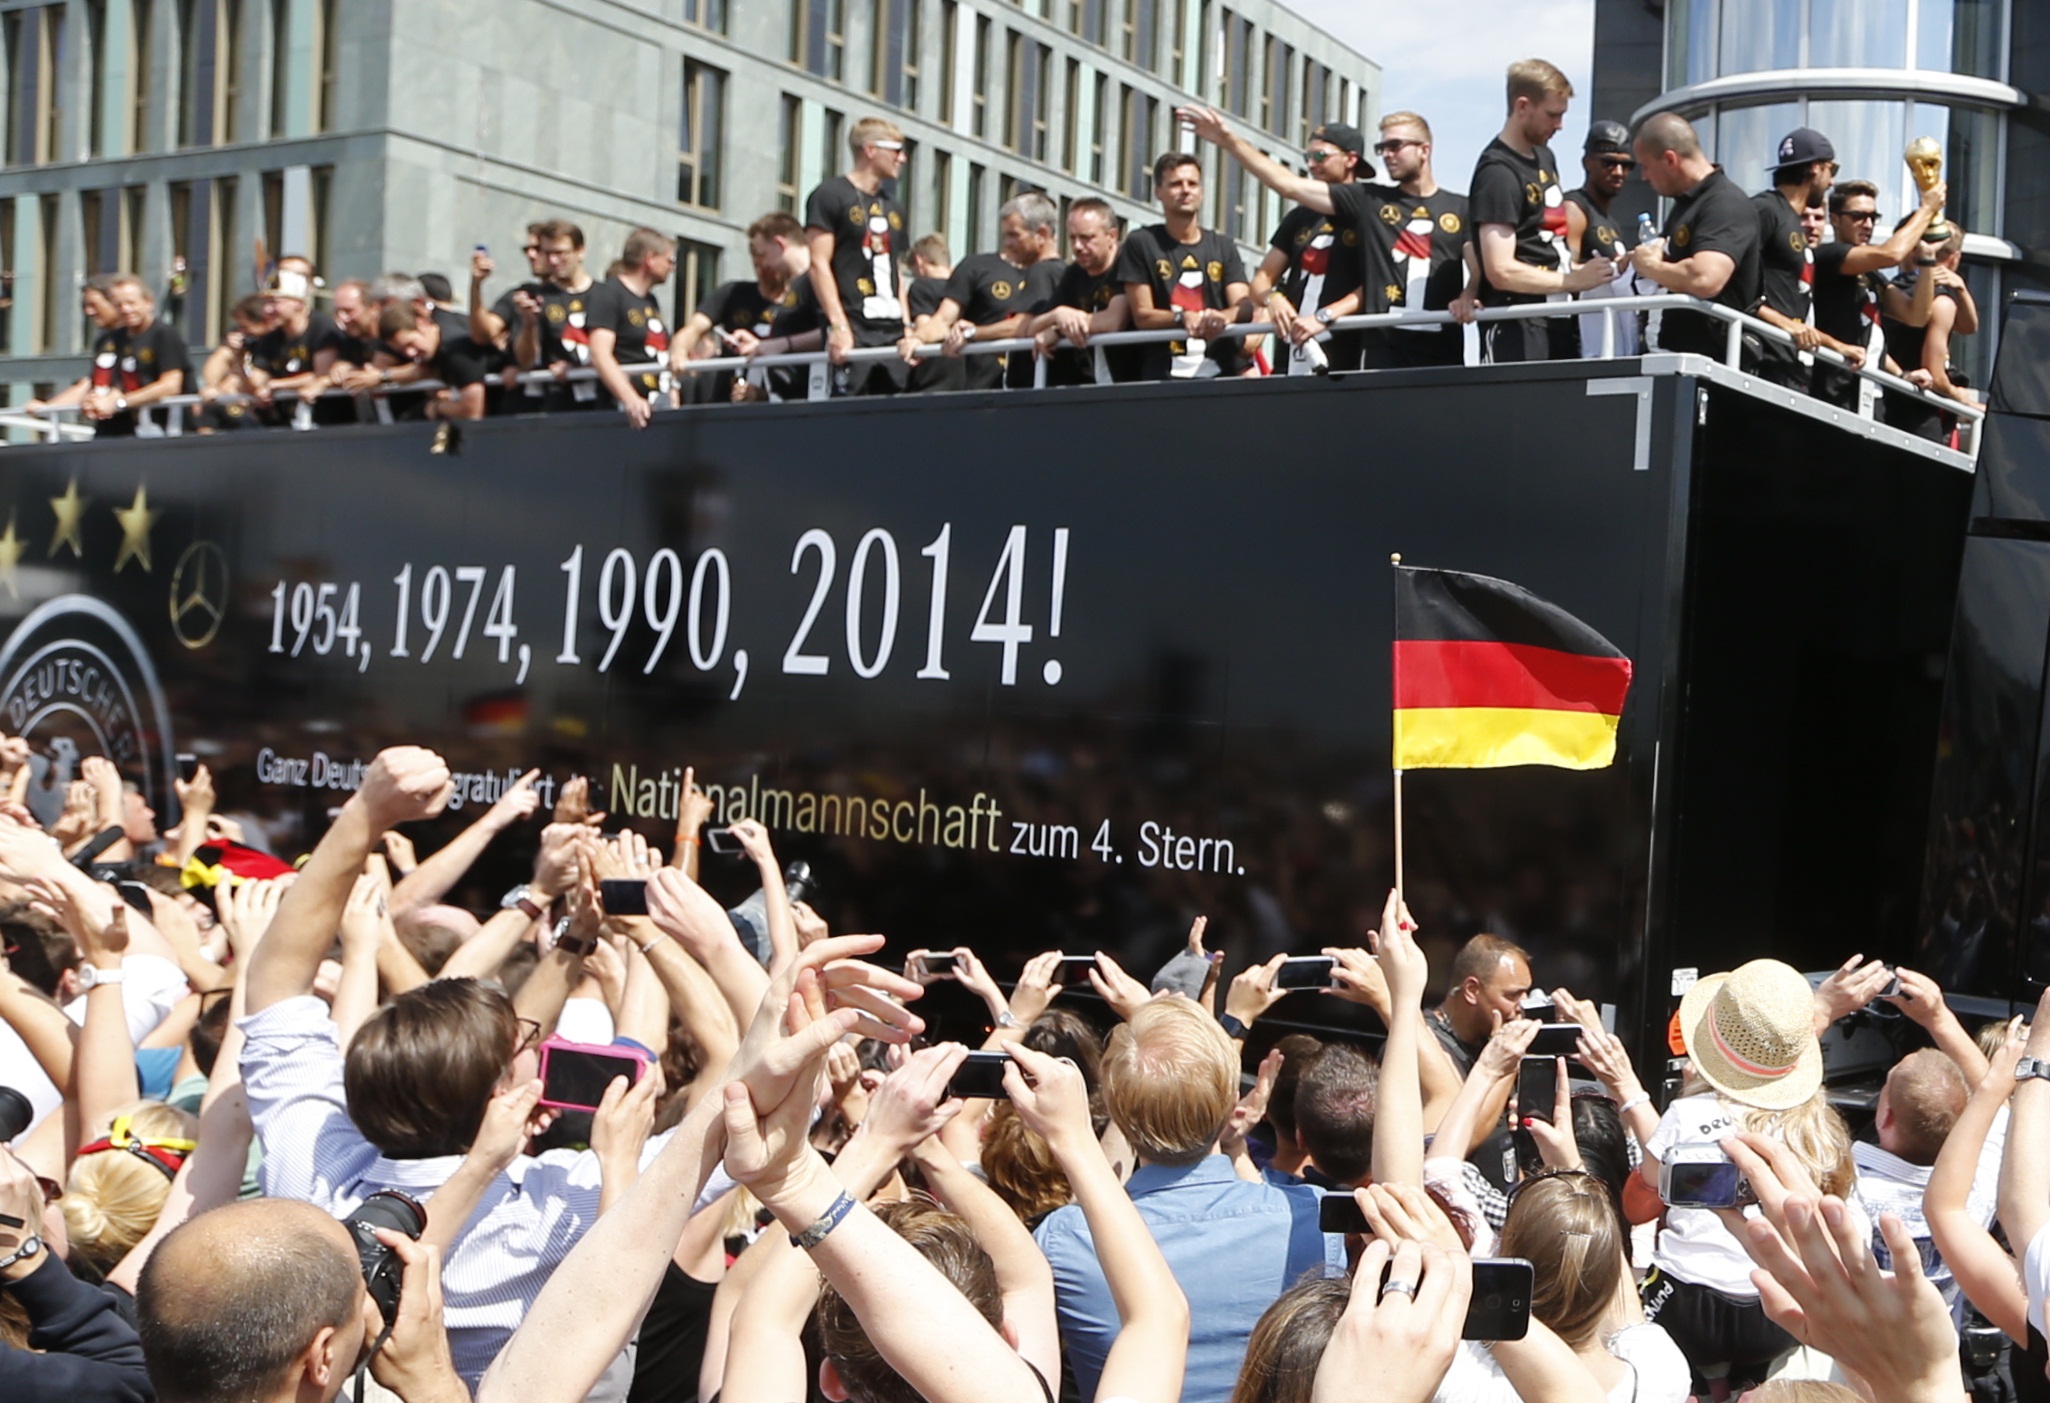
pixel 1872 75
pixel 381 134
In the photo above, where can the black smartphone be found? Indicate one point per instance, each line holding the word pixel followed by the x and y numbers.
pixel 722 842
pixel 574 1076
pixel 938 962
pixel 1074 969
pixel 982 1075
pixel 1556 1040
pixel 1304 972
pixel 624 896
pixel 1340 1213
pixel 1893 984
pixel 1702 1176
pixel 1537 1087
pixel 135 894
pixel 1500 1308
pixel 188 766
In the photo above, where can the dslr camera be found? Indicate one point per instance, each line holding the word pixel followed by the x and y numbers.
pixel 382 1269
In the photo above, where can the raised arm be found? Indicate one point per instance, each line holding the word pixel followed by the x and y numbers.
pixel 1209 124
pixel 782 929
pixel 404 783
pixel 688 915
pixel 1399 1108
pixel 366 919
pixel 441 870
pixel 2024 1168
pixel 1474 1112
pixel 1921 999
pixel 1981 1267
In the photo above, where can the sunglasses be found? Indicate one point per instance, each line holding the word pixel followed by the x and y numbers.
pixel 1619 163
pixel 1329 153
pixel 1389 148
pixel 887 145
pixel 1862 216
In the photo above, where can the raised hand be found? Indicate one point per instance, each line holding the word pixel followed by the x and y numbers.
pixel 1122 992
pixel 519 801
pixel 1050 1096
pixel 1036 987
pixel 405 783
pixel 1402 960
pixel 1252 991
pixel 573 804
pixel 911 1103
pixel 1252 1107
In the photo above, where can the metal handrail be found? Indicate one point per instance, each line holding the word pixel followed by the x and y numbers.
pixel 1738 324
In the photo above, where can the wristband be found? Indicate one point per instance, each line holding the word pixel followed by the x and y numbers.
pixel 1640 1099
pixel 1233 1027
pixel 653 941
pixel 681 839
pixel 826 1222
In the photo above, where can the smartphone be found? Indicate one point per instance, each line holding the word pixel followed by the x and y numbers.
pixel 1074 969
pixel 1702 1176
pixel 1538 1004
pixel 574 1075
pixel 1500 1308
pixel 1341 1213
pixel 982 1075
pixel 188 765
pixel 1556 1040
pixel 722 841
pixel 135 894
pixel 1537 1087
pixel 937 962
pixel 1893 984
pixel 624 896
pixel 1304 972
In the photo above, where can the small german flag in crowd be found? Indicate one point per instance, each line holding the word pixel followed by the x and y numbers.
pixel 1487 675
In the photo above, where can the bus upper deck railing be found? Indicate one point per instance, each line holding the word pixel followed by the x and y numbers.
pixel 62 423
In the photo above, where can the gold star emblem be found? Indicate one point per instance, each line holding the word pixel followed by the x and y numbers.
pixel 135 522
pixel 70 509
pixel 11 547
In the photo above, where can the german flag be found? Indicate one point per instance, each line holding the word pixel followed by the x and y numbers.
pixel 1487 675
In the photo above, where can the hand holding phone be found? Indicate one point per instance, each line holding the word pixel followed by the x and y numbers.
pixel 1702 1176
pixel 624 896
pixel 981 1077
pixel 723 842
pixel 574 1075
pixel 1305 972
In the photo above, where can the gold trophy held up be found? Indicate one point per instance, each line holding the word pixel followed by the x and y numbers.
pixel 1925 163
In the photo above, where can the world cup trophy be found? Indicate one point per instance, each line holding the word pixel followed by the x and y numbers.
pixel 1925 163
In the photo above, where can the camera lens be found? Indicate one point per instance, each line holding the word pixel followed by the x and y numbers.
pixel 16 1113
pixel 382 1269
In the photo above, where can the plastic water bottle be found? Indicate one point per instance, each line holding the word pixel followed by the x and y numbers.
pixel 1646 232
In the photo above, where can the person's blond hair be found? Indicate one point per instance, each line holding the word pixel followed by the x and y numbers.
pixel 112 1199
pixel 1537 80
pixel 1804 1391
pixel 1407 119
pixel 870 130
pixel 1817 1136
pixel 1170 1080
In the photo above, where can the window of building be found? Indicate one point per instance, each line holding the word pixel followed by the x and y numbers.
pixel 697 273
pixel 818 37
pixel 132 205
pixel 15 26
pixel 96 76
pixel 206 65
pixel 99 227
pixel 1071 119
pixel 1099 116
pixel 706 14
pixel 893 75
pixel 907 180
pixel 328 55
pixel 1025 117
pixel 1238 39
pixel 789 124
pixel 1178 24
pixel 971 235
pixel 701 136
pixel 51 299
pixel 1142 36
pixel 228 71
pixel 1090 20
pixel 272 194
pixel 950 26
pixel 1280 69
pixel 7 278
pixel 142 54
pixel 979 95
pixel 832 155
pixel 1136 112
pixel 942 190
pixel 280 68
pixel 221 272
pixel 319 236
pixel 1316 79
pixel 185 292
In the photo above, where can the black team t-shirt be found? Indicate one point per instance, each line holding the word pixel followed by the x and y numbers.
pixel 279 353
pixel 1846 307
pixel 564 334
pixel 635 319
pixel 1415 248
pixel 1715 216
pixel 923 297
pixel 1323 253
pixel 868 234
pixel 743 306
pixel 986 289
pixel 1522 192
pixel 1092 293
pixel 1600 238
pixel 1189 276
pixel 143 358
pixel 1786 264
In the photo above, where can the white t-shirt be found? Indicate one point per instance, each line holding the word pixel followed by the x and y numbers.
pixel 2036 1277
pixel 1657 1374
pixel 150 987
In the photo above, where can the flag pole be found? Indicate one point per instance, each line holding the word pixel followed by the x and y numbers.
pixel 1395 563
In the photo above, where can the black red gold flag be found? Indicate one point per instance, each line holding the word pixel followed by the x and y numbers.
pixel 1487 674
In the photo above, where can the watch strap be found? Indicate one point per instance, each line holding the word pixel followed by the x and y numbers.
pixel 825 1223
pixel 29 1248
pixel 1233 1027
pixel 2032 1069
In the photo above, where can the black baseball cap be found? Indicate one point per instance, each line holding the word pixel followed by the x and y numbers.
pixel 1344 137
pixel 1607 136
pixel 1803 146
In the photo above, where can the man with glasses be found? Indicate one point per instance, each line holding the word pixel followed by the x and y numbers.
pixel 1806 168
pixel 1313 263
pixel 856 229
pixel 554 330
pixel 1850 294
pixel 1412 235
pixel 1593 231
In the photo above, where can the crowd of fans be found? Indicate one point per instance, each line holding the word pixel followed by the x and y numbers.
pixel 1802 257
pixel 275 1127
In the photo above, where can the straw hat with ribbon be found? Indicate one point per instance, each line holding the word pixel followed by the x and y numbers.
pixel 1751 1033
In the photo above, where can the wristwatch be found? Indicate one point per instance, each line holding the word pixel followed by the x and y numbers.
pixel 1179 318
pixel 1324 316
pixel 1008 1019
pixel 967 330
pixel 521 896
pixel 2031 1069
pixel 92 976
pixel 576 945
pixel 29 1248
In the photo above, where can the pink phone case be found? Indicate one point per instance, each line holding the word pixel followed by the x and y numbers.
pixel 608 1051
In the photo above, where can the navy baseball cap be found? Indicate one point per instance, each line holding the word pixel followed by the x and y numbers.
pixel 1344 137
pixel 1803 146
pixel 1607 136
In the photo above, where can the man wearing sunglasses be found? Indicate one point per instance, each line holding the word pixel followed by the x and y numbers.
pixel 1850 294
pixel 856 229
pixel 1806 168
pixel 1314 263
pixel 1593 231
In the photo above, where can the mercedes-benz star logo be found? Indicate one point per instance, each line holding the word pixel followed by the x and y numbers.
pixel 199 594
